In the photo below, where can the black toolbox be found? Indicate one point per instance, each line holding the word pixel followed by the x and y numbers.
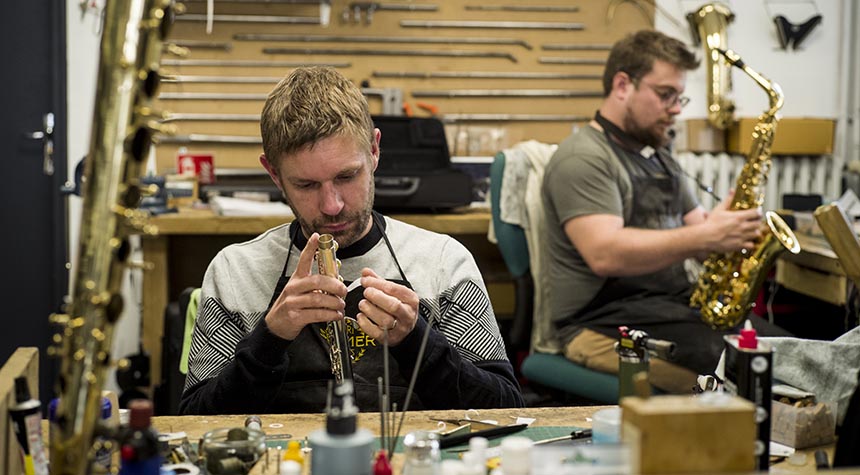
pixel 415 172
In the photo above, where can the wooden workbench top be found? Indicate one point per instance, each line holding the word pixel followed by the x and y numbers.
pixel 204 221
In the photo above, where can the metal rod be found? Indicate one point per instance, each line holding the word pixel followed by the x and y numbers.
pixel 556 60
pixel 200 44
pixel 380 39
pixel 297 2
pixel 514 118
pixel 204 117
pixel 523 25
pixel 212 96
pixel 398 7
pixel 220 79
pixel 521 8
pixel 392 52
pixel 506 93
pixel 293 20
pixel 481 75
pixel 205 138
pixel 248 63
pixel 575 47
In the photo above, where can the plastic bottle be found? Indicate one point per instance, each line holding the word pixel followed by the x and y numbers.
pixel 26 417
pixel 138 442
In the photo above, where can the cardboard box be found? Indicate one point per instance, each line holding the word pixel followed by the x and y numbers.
pixel 802 427
pixel 794 136
pixel 699 136
pixel 712 433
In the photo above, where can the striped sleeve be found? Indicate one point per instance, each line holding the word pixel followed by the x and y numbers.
pixel 466 318
pixel 217 331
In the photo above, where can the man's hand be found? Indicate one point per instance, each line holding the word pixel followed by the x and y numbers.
pixel 729 230
pixel 386 305
pixel 307 298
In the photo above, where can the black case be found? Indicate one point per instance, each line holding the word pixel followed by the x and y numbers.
pixel 414 172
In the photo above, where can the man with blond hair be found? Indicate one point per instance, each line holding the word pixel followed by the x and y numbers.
pixel 260 343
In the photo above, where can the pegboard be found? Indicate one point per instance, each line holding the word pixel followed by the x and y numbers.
pixel 521 51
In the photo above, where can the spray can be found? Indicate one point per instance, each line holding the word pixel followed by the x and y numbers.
pixel 749 375
pixel 26 416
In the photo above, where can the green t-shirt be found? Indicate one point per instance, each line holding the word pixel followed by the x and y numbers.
pixel 584 177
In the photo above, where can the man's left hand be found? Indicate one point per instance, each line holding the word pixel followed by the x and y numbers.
pixel 386 305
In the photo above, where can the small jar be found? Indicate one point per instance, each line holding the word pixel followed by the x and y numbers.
pixel 421 453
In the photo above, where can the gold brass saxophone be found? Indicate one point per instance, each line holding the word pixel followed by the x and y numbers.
pixel 123 125
pixel 709 25
pixel 339 352
pixel 730 282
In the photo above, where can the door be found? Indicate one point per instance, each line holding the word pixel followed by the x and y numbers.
pixel 32 249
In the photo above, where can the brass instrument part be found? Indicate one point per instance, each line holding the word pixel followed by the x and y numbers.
pixel 838 228
pixel 129 58
pixel 708 26
pixel 730 282
pixel 339 351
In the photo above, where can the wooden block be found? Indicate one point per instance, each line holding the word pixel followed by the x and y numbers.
pixel 24 362
pixel 683 434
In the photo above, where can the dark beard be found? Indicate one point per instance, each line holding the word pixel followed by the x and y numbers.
pixel 644 136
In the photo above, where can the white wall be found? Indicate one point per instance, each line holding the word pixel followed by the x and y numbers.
pixel 809 77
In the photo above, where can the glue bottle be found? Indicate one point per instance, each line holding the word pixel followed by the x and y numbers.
pixel 26 417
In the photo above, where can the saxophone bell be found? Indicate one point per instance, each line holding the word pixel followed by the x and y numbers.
pixel 708 26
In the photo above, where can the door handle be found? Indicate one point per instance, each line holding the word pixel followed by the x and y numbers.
pixel 46 135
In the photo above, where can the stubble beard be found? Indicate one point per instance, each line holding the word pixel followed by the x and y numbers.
pixel 358 220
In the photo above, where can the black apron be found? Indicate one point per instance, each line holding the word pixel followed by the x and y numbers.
pixel 309 373
pixel 656 303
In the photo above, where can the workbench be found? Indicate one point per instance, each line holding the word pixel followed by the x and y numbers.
pixel 186 242
pixel 300 425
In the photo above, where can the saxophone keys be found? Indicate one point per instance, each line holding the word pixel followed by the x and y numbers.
pixel 59 318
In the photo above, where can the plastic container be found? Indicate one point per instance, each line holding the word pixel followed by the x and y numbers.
pixel 606 426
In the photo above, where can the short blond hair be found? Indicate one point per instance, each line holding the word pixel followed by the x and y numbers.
pixel 311 104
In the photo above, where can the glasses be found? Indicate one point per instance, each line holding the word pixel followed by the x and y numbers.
pixel 669 97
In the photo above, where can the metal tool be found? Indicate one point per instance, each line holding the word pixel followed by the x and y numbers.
pixel 248 63
pixel 514 118
pixel 204 117
pixel 292 20
pixel 522 8
pixel 380 39
pixel 575 435
pixel 462 421
pixel 205 138
pixel 506 93
pixel 519 25
pixel 296 2
pixel 392 97
pixel 178 79
pixel 481 75
pixel 200 44
pixel 392 52
pixel 557 60
pixel 575 47
pixel 356 9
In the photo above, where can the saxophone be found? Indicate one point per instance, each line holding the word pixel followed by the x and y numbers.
pixel 708 26
pixel 123 125
pixel 341 359
pixel 729 283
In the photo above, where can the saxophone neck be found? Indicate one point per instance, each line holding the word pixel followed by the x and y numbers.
pixel 773 90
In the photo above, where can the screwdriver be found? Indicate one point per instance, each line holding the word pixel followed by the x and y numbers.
pixel 575 435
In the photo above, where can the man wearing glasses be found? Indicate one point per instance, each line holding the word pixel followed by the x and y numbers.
pixel 622 220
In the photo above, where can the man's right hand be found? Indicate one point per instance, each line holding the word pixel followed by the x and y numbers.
pixel 307 298
pixel 732 230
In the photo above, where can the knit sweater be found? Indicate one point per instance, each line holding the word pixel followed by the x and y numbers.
pixel 236 365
